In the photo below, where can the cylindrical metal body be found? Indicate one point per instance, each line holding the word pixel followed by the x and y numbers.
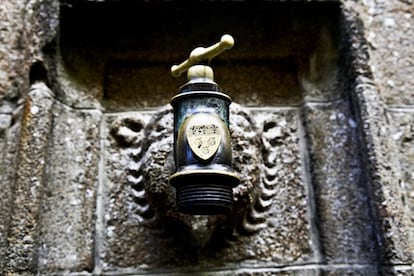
pixel 204 177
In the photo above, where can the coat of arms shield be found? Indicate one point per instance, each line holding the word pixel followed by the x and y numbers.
pixel 204 139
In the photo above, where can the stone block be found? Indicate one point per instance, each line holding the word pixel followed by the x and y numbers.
pixel 344 218
pixel 30 180
pixel 349 269
pixel 276 228
pixel 67 218
pixel 11 53
pixel 9 140
pixel 402 137
pixel 384 174
pixel 389 33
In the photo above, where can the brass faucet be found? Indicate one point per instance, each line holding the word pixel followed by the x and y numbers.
pixel 204 177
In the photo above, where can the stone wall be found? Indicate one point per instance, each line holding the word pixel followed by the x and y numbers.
pixel 321 123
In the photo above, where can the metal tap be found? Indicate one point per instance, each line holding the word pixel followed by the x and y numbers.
pixel 204 177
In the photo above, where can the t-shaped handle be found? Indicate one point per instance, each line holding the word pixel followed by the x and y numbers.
pixel 201 53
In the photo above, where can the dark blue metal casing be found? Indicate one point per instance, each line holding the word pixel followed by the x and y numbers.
pixel 204 177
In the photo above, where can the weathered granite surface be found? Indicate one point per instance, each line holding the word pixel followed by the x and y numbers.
pixel 283 238
pixel 10 133
pixel 325 151
pixel 28 189
pixel 69 198
pixel 342 202
pixel 390 36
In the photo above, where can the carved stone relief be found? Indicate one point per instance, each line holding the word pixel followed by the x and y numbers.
pixel 266 155
pixel 321 141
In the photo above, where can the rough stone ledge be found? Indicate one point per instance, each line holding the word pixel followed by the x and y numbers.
pixel 276 269
pixel 400 108
pixel 305 269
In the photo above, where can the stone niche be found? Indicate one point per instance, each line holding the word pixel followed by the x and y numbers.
pixel 284 52
pixel 303 198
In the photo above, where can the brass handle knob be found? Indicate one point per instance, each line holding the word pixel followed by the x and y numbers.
pixel 201 53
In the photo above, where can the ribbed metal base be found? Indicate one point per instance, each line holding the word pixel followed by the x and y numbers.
pixel 204 191
pixel 204 199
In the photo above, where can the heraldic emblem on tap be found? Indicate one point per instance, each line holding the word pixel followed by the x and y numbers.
pixel 204 138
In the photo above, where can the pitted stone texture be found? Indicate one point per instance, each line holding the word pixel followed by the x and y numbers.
pixel 385 175
pixel 342 203
pixel 165 238
pixel 67 220
pixel 9 138
pixel 30 180
pixel 26 27
pixel 252 271
pixel 280 217
pixel 341 270
pixel 390 35
pixel 11 54
pixel 402 134
pixel 125 240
